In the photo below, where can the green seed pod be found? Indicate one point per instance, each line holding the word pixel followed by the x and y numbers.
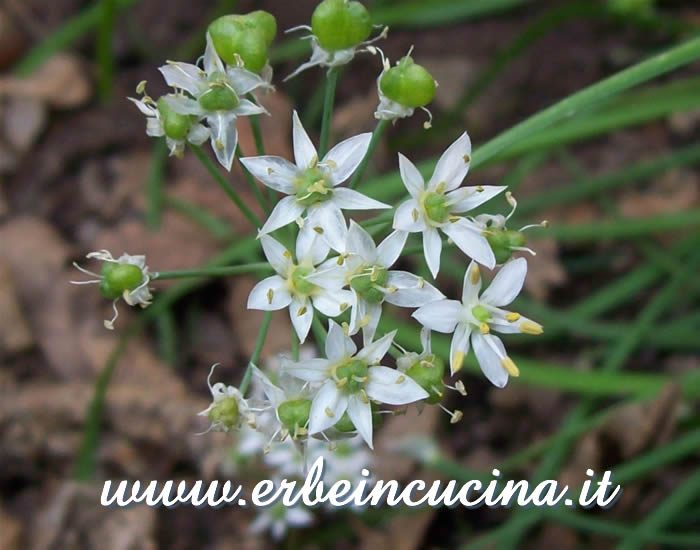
pixel 436 207
pixel 265 22
pixel 219 98
pixel 366 287
pixel 107 291
pixel 300 283
pixel 408 84
pixel 234 36
pixel 225 412
pixel 121 277
pixel 339 24
pixel 345 425
pixel 312 187
pixel 502 242
pixel 294 414
pixel 428 374
pixel 175 125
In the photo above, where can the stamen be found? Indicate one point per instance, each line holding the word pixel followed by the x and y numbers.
pixel 429 364
pixel 329 413
pixel 302 311
pixel 400 379
pixel 363 396
pixel 270 171
pixel 421 282
pixel 340 383
pixel 459 387
pixel 511 368
pixel 344 306
pixel 543 224
pixel 479 189
pixel 287 254
pixel 457 361
pixel 441 187
pixel 86 271
pixel 428 124
pixel 415 214
pixel 364 321
pixel 474 275
pixel 219 144
pixel 341 259
pixel 524 249
pixel 346 328
pixel 331 163
pixel 456 416
pixel 300 222
pixel 484 328
pixel 110 324
pixel 513 203
pixel 270 295
pixel 437 391
pixel 466 158
pixel 360 379
pixel 141 87
pixel 512 316
pixel 528 327
pixel 318 230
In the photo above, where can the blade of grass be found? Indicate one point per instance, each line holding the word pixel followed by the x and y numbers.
pixel 104 55
pixel 217 227
pixel 154 184
pixel 439 12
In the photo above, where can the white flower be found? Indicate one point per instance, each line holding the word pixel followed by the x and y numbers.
pixel 290 287
pixel 326 58
pixel 476 316
pixel 228 410
pixel 438 206
pixel 312 186
pixel 365 268
pixel 217 95
pixel 126 277
pixel 197 134
pixel 278 518
pixel 349 379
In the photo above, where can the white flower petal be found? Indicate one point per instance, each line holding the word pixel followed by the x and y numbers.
pixel 285 212
pixel 277 255
pixel 390 248
pixel 374 352
pixel 270 294
pixel 441 316
pixel 145 109
pixel 198 134
pixel 373 312
pixel 489 360
pixel 332 303
pixel 408 217
pixel 360 242
pixel 275 172
pixel 154 128
pixel 432 249
pixel 468 238
pixel 327 407
pixel 470 290
pixel 184 105
pixel 185 76
pixel 243 80
pixel 349 199
pixel 477 197
pixel 212 61
pixel 309 370
pixel 412 291
pixel 344 158
pixel 273 394
pixel 507 283
pixel 330 278
pixel 301 313
pixel 453 164
pixel 248 108
pixel 224 137
pixel 460 343
pixel 361 415
pixel 357 312
pixel 411 177
pixel 330 219
pixel 311 248
pixel 338 346
pixel 392 387
pixel 425 340
pixel 500 324
pixel 305 154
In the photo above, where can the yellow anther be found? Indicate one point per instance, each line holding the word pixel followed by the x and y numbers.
pixel 400 380
pixel 314 162
pixel 453 219
pixel 374 274
pixel 344 306
pixel 545 223
pixel 474 275
pixel 456 417
pixel 302 311
pixel 511 368
pixel 415 214
pixel 421 282
pixel 340 260
pixel 427 364
pixel 466 158
pixel 484 328
pixel 141 87
pixel 512 317
pixel 479 189
pixel 287 254
pixel 441 187
pixel 330 413
pixel 270 295
pixel 318 230
pixel 364 321
pixel 459 386
pixel 360 379
pixel 331 163
pixel 528 327
pixel 457 361
pixel 270 171
pixel 437 391
pixel 340 383
pixel 219 144
pixel 346 328
pixel 363 396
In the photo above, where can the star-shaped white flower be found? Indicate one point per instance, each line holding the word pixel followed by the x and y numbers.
pixel 217 95
pixel 349 379
pixel 312 186
pixel 197 134
pixel 441 204
pixel 365 268
pixel 476 316
pixel 290 287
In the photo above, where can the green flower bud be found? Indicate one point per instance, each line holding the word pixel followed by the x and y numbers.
pixel 346 425
pixel 299 282
pixel 408 84
pixel 352 375
pixel 294 414
pixel 120 277
pixel 225 412
pixel 366 283
pixel 312 187
pixel 428 373
pixel 244 37
pixel 219 97
pixel 175 125
pixel 339 24
pixel 435 206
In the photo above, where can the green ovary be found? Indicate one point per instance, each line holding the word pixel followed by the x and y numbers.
pixel 299 283
pixel 435 206
pixel 369 282
pixel 219 96
pixel 116 278
pixel 312 187
pixel 354 374
pixel 225 412
pixel 428 373
pixel 294 413
pixel 480 313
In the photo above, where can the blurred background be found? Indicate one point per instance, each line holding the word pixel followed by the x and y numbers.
pixel 612 384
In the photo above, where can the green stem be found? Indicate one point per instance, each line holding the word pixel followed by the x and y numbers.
pixel 260 145
pixel 378 131
pixel 250 180
pixel 259 343
pixel 154 185
pixel 295 345
pixel 217 227
pixel 225 185
pixel 319 332
pixel 328 100
pixel 213 271
pixel 105 57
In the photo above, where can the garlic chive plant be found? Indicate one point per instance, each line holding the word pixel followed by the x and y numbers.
pixel 320 263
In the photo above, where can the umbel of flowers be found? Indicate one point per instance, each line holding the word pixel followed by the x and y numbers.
pixel 329 269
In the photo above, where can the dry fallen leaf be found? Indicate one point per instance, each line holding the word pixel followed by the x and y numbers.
pixel 25 118
pixel 15 333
